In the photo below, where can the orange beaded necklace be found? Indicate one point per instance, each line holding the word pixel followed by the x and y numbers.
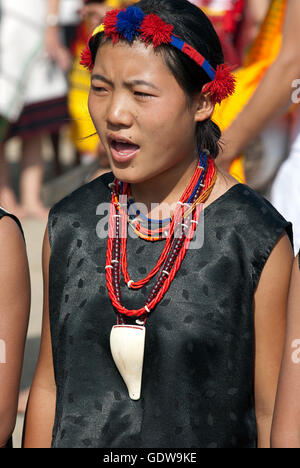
pixel 181 231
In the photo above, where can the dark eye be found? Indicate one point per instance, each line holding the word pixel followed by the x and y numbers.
pixel 98 89
pixel 142 95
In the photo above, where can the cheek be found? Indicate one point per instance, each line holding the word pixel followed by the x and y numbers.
pixel 170 122
pixel 91 105
pixel 95 111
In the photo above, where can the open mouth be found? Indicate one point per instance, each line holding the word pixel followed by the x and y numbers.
pixel 122 149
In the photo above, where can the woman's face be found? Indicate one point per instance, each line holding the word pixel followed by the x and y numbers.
pixel 140 112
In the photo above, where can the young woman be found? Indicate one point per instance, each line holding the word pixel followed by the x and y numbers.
pixel 286 426
pixel 178 350
pixel 14 315
pixel 40 108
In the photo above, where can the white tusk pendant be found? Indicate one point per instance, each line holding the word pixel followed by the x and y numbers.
pixel 127 344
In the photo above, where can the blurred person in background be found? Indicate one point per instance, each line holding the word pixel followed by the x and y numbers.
pixel 33 93
pixel 14 316
pixel 286 424
pixel 68 16
pixel 237 23
pixel 83 133
pixel 269 148
pixel 271 99
pixel 16 60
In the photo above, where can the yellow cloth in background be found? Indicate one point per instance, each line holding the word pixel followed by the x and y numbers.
pixel 120 3
pixel 81 123
pixel 82 126
pixel 260 57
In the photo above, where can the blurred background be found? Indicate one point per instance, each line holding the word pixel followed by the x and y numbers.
pixel 48 145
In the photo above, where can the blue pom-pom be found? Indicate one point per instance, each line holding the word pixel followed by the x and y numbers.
pixel 129 22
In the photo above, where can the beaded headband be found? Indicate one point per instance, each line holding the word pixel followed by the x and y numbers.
pixel 133 22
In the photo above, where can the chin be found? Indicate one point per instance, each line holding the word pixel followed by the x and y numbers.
pixel 130 175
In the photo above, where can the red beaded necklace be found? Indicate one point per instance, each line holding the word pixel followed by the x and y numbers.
pixel 181 232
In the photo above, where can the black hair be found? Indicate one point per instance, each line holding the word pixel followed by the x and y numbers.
pixel 87 2
pixel 193 26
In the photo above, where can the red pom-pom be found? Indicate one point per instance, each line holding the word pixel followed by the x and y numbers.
pixel 223 85
pixel 110 25
pixel 86 59
pixel 154 29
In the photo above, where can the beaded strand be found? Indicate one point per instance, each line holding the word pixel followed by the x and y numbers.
pixel 139 284
pixel 164 230
pixel 175 249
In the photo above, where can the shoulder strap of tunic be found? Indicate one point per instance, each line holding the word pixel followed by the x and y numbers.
pixel 4 212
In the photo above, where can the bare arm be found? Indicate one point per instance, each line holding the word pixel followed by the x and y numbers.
pixel 42 399
pixel 286 425
pixel 270 318
pixel 14 315
pixel 55 48
pixel 53 6
pixel 255 12
pixel 273 96
pixel 93 14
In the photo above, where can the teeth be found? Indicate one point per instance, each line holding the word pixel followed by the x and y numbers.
pixel 125 149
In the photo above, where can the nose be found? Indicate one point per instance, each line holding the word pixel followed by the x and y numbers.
pixel 119 113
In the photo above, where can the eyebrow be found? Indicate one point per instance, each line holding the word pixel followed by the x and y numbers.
pixel 128 83
pixel 102 78
pixel 142 82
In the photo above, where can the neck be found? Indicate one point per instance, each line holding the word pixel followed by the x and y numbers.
pixel 166 188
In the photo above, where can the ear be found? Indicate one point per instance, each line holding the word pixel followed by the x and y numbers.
pixel 204 107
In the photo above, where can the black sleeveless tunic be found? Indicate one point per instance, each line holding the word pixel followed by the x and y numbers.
pixel 3 213
pixel 198 380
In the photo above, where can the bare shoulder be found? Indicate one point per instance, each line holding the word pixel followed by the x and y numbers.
pixel 11 239
pixel 278 265
pixel 223 183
